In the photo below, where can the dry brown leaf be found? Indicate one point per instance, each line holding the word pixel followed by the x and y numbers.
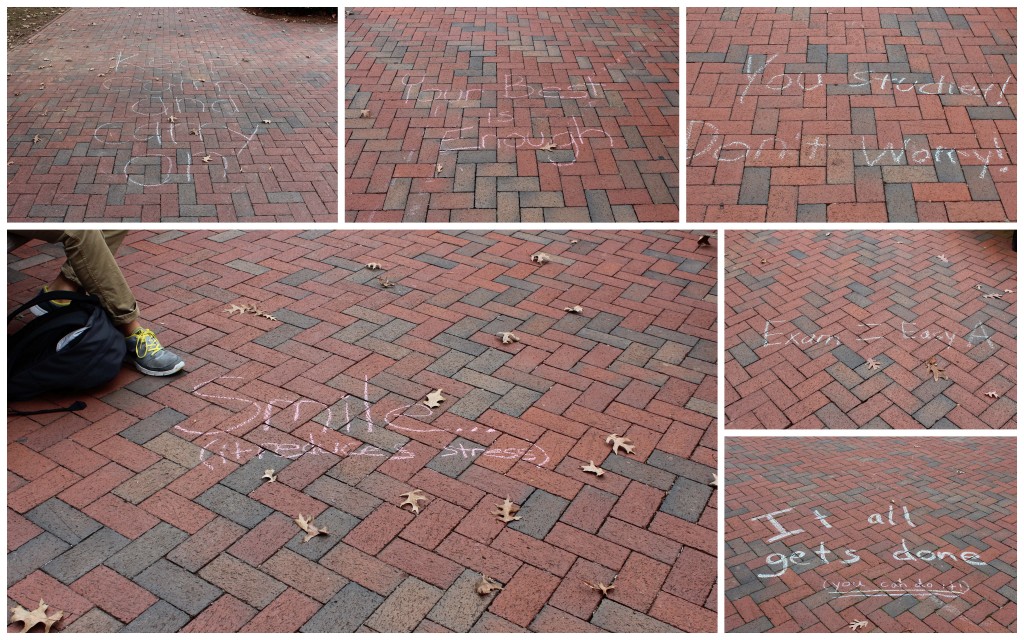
pixel 618 441
pixel 592 468
pixel 992 394
pixel 434 399
pixel 574 309
pixel 857 624
pixel 1007 290
pixel 269 474
pixel 540 258
pixel 373 266
pixel 935 371
pixel 714 480
pixel 507 337
pixel 194 132
pixel 551 146
pixel 36 139
pixel 600 586
pixel 764 260
pixel 233 309
pixel 38 615
pixel 207 158
pixel 385 282
pixel 992 295
pixel 365 113
pixel 942 257
pixel 486 585
pixel 172 119
pixel 306 524
pixel 703 241
pixel 413 498
pixel 873 364
pixel 506 511
pixel 439 168
pixel 574 242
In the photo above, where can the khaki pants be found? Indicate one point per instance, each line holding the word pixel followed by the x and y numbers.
pixel 90 264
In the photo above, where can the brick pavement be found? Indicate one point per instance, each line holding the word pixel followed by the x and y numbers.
pixel 815 530
pixel 449 111
pixel 851 115
pixel 807 310
pixel 147 511
pixel 183 115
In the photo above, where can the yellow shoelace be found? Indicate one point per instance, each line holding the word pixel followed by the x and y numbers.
pixel 147 339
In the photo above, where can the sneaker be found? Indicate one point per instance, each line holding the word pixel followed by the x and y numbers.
pixel 44 308
pixel 149 357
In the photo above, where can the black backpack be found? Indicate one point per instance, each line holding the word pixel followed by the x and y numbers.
pixel 70 349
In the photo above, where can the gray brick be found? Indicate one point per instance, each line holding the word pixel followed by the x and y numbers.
pixel 755 185
pixel 539 514
pixel 85 556
pixel 472 405
pixel 461 605
pixel 246 583
pixel 295 319
pixel 94 621
pixel 450 363
pixel 614 617
pixel 345 612
pixel 705 57
pixel 959 22
pixel 162 617
pixel 811 213
pixel 64 521
pixel 398 193
pixel 277 336
pixel 947 171
pixel 145 430
pixel 990 113
pixel 687 499
pixel 837 63
pixel 405 607
pixel 283 196
pixel 32 555
pixel 142 552
pixel 737 54
pixel 337 522
pixel 934 410
pixel 144 484
pixel 598 205
pixel 981 188
pixel 517 401
pixel 636 470
pixel 234 506
pixel 393 330
pixel 489 361
pixel 681 467
pixel 817 53
pixel 437 262
pixel 182 589
pixel 456 457
pixel 483 381
pixel 899 202
pixel 529 199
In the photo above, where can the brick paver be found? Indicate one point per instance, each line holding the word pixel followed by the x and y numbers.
pixel 905 534
pixel 851 114
pixel 449 113
pixel 835 330
pixel 147 510
pixel 184 115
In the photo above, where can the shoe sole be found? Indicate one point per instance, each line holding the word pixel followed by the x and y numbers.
pixel 153 372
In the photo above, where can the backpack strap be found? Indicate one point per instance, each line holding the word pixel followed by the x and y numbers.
pixel 48 296
pixel 77 405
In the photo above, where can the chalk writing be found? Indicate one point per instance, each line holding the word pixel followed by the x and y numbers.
pixel 907 331
pixel 886 587
pixel 284 415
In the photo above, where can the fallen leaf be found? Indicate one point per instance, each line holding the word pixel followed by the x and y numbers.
pixel 574 309
pixel 193 132
pixel 873 364
pixel 413 498
pixel 507 337
pixel 764 260
pixel 992 394
pixel 506 510
pixel 619 441
pixel 172 119
pixel 434 399
pixel 365 113
pixel 592 468
pixel 1007 290
pixel 600 586
pixel 269 474
pixel 233 309
pixel 486 585
pixel 992 295
pixel 306 524
pixel 439 168
pixel 574 242
pixel 267 121
pixel 934 370
pixel 703 241
pixel 100 75
pixel 31 618
pixel 857 624
pixel 385 282
pixel 540 258
pixel 36 139
pixel 207 158
pixel 714 480
pixel 942 257
pixel 373 266
pixel 551 146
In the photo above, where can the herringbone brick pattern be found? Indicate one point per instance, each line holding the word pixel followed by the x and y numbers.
pixel 835 330
pixel 174 115
pixel 905 534
pixel 148 511
pixel 512 115
pixel 851 114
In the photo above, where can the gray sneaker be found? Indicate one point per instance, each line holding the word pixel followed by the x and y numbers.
pixel 149 357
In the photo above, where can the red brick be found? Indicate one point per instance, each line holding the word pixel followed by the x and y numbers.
pixel 113 593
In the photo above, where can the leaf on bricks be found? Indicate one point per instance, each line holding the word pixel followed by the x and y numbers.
pixel 618 441
pixel 248 308
pixel 506 511
pixel 703 241
pixel 306 524
pixel 36 139
pixel 540 258
pixel 439 169
pixel 602 587
pixel 413 498
pixel 269 474
pixel 207 158
pixel 373 266
pixel 592 468
pixel 193 132
pixel 574 309
pixel 267 121
pixel 764 260
pixel 31 618
pixel 486 585
pixel 1007 290
pixel 935 370
pixel 992 295
pixel 873 364
pixel 992 394
pixel 574 242
pixel 385 282
pixel 434 399
pixel 172 119
pixel 942 257
pixel 233 309
pixel 551 146
pixel 714 480
pixel 857 624
pixel 507 337
pixel 365 113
